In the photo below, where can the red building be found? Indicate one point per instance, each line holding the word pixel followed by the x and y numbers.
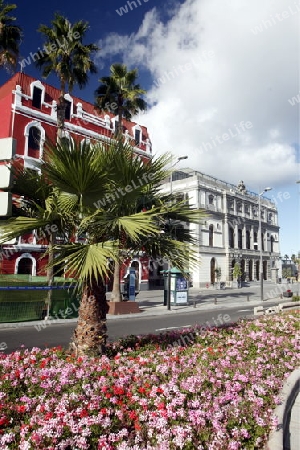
pixel 29 116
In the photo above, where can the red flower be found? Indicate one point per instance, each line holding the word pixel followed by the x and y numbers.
pixel 3 421
pixel 84 413
pixel 118 390
pixel 137 426
pixel 21 408
pixel 133 415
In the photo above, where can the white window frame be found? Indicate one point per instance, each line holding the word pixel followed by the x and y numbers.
pixel 26 255
pixel 137 128
pixel 70 99
pixel 38 125
pixel 40 86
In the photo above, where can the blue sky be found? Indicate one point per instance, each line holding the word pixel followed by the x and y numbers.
pixel 222 82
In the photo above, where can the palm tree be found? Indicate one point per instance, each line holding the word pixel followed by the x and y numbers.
pixel 85 180
pixel 120 89
pixel 70 59
pixel 10 36
pixel 67 57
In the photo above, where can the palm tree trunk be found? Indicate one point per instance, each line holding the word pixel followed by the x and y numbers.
pixel 116 294
pixel 90 335
pixel 61 111
pixel 50 272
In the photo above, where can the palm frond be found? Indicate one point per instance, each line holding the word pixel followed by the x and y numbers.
pixel 18 226
pixel 85 262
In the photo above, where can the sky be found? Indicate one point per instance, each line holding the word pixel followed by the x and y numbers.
pixel 222 82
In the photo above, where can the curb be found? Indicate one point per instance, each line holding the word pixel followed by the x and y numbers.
pixel 279 438
pixel 150 310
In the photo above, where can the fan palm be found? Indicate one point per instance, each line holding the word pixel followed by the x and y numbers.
pixel 87 180
pixel 70 60
pixel 120 89
pixel 67 57
pixel 10 36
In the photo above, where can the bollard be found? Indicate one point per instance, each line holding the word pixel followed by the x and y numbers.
pixel 248 298
pixel 194 303
pixel 216 300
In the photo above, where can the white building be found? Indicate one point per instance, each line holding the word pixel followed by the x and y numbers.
pixel 229 233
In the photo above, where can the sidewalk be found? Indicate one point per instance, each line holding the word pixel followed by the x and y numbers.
pixel 151 303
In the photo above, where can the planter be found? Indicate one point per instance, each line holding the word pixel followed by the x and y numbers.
pixel 287 294
pixel 116 308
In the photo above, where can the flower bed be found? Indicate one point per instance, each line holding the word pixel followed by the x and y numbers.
pixel 217 392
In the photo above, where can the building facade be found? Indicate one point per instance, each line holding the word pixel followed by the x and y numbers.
pixel 229 233
pixel 29 117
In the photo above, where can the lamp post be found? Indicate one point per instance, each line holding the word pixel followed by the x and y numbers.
pixel 261 275
pixel 180 158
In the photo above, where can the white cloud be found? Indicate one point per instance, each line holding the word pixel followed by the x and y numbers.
pixel 210 72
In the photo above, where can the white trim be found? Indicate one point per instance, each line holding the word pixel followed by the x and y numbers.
pixel 114 120
pixel 51 120
pixel 85 117
pixel 70 99
pixel 37 125
pixel 137 128
pixel 26 255
pixel 40 86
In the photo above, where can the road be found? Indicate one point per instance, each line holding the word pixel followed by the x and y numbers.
pixel 60 334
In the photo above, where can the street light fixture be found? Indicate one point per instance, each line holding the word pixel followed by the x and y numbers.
pixel 180 158
pixel 261 275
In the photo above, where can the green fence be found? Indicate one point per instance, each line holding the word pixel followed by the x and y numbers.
pixel 27 305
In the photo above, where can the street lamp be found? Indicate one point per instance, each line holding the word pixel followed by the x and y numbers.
pixel 180 158
pixel 261 275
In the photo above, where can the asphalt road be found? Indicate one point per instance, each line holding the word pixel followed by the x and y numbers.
pixel 60 334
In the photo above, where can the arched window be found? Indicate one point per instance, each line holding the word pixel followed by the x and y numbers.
pixel 248 239
pixel 231 237
pixel 240 239
pixel 211 199
pixel 37 92
pixel 26 265
pixel 68 106
pixel 272 244
pixel 34 140
pixel 137 133
pixel 37 97
pixel 211 235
